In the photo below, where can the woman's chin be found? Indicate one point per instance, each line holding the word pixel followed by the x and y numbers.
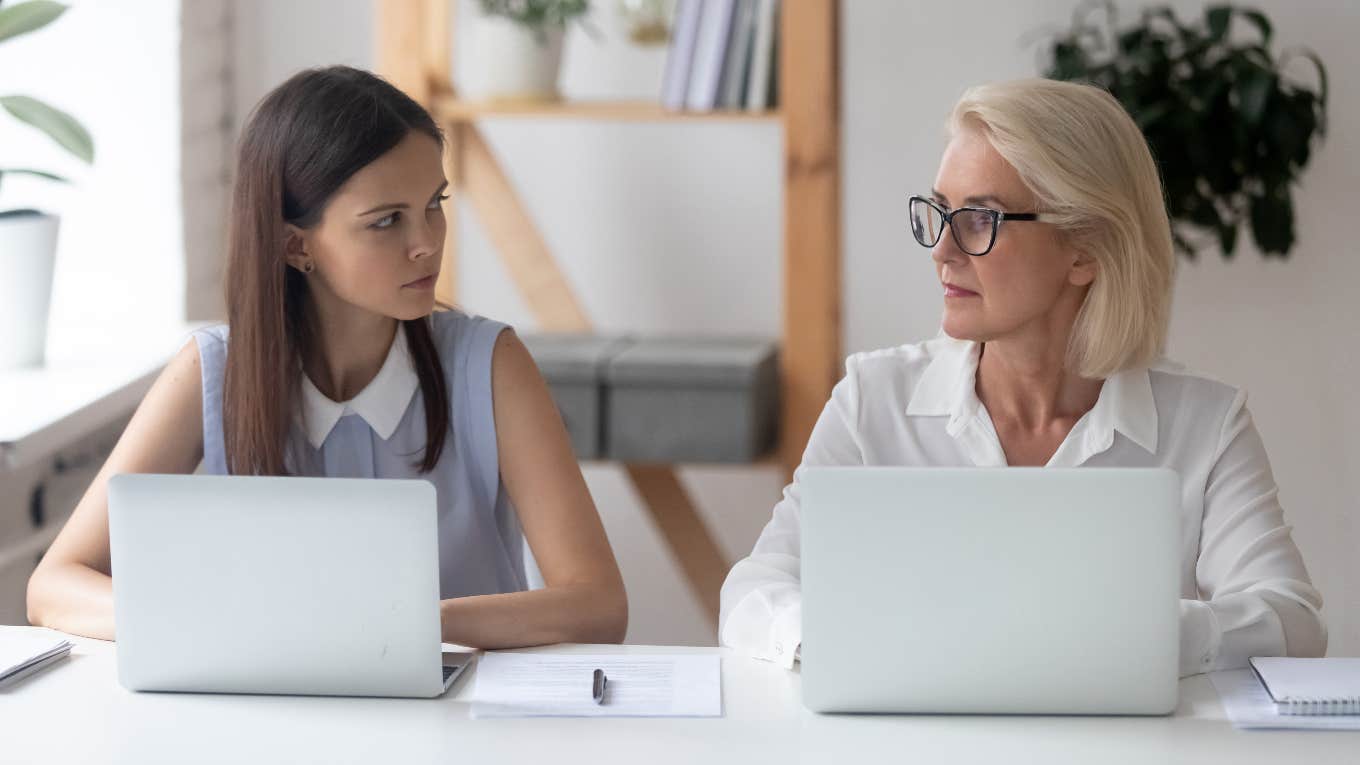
pixel 960 329
pixel 413 309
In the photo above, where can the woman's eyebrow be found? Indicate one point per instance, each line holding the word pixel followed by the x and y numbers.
pixel 973 200
pixel 401 205
pixel 984 198
pixel 383 208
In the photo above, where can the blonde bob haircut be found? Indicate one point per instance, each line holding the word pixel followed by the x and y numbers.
pixel 1089 166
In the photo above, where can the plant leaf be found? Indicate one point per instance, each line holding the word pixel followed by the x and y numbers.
pixel 1262 24
pixel 1272 221
pixel 35 173
pixel 1322 81
pixel 26 171
pixel 1217 18
pixel 1227 238
pixel 27 17
pixel 1254 90
pixel 58 125
pixel 1165 13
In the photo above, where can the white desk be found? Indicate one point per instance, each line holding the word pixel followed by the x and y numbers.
pixel 77 712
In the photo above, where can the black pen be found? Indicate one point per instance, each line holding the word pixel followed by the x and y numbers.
pixel 598 684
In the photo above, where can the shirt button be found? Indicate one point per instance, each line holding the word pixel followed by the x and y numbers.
pixel 779 648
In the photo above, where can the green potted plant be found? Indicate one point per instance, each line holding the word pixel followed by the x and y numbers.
pixel 1230 132
pixel 28 238
pixel 517 48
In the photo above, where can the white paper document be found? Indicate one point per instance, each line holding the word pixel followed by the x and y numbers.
pixel 559 685
pixel 1249 706
pixel 24 652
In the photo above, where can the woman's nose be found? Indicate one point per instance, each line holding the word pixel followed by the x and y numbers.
pixel 426 240
pixel 947 252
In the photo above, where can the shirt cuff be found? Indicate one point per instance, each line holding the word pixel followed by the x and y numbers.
pixel 1226 632
pixel 1200 637
pixel 786 635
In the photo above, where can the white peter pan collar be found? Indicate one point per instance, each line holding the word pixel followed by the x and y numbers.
pixel 382 403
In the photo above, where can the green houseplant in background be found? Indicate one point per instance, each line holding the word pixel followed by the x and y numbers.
pixel 1230 132
pixel 28 238
pixel 517 48
pixel 539 16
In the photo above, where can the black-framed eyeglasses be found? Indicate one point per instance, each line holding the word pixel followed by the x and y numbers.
pixel 973 228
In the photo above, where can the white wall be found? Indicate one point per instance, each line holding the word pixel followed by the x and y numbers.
pixel 115 67
pixel 664 228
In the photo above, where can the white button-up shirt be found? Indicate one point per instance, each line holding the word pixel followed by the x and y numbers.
pixel 1244 589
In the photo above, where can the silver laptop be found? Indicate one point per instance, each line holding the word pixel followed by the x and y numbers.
pixel 316 586
pixel 990 591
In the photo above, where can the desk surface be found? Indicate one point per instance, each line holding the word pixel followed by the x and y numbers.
pixel 77 712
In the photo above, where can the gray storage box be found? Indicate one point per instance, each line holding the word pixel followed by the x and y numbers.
pixel 691 400
pixel 574 365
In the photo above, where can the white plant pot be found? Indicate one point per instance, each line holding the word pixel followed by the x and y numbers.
pixel 509 62
pixel 28 252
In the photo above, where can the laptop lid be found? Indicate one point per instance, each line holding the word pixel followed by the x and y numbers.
pixel 1003 590
pixel 276 585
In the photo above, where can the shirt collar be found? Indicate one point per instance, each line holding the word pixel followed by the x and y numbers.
pixel 382 403
pixel 1126 405
pixel 948 387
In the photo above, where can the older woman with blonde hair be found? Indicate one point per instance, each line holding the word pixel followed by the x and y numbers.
pixel 1051 242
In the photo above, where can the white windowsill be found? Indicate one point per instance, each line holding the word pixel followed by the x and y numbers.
pixel 93 375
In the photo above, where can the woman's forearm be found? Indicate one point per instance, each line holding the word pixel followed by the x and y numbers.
pixel 72 598
pixel 565 614
pixel 79 600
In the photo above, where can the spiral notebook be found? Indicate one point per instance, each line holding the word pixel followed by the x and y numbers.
pixel 1311 686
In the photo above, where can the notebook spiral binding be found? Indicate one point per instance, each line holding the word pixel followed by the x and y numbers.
pixel 1319 707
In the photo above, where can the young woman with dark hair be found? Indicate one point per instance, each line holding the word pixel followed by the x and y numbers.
pixel 335 362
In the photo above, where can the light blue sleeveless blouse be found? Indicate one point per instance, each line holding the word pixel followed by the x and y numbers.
pixel 481 547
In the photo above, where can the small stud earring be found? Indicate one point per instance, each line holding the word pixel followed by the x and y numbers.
pixel 309 267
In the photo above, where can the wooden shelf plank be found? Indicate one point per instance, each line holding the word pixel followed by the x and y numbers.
pixel 451 109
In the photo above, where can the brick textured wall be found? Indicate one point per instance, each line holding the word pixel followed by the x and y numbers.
pixel 207 139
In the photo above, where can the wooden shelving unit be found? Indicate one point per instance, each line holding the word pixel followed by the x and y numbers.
pixel 415 53
pixel 453 110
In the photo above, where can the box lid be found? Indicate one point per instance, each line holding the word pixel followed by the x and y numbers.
pixel 691 362
pixel 572 358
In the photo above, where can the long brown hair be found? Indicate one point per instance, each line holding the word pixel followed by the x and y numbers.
pixel 304 140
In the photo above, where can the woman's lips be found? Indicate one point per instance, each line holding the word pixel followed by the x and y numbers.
pixel 426 283
pixel 957 292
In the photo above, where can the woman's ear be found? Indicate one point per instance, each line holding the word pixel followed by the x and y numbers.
pixel 1083 270
pixel 295 248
